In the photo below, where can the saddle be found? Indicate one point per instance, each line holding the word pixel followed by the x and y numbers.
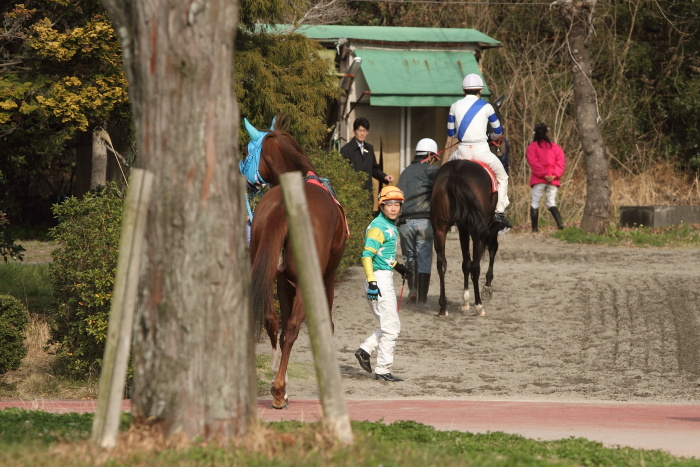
pixel 326 185
pixel 494 180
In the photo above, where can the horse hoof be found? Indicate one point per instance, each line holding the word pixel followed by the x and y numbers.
pixel 480 313
pixel 283 405
pixel 442 313
pixel 487 292
pixel 277 401
pixel 277 404
pixel 464 308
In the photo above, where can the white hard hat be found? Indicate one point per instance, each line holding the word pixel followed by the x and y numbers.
pixel 472 81
pixel 426 145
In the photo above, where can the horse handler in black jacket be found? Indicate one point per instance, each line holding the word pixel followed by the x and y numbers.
pixel 415 231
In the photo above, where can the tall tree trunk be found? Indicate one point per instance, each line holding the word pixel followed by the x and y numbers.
pixel 576 16
pixel 193 346
pixel 99 161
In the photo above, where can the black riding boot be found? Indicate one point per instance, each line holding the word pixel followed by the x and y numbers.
pixel 534 216
pixel 423 286
pixel 412 281
pixel 557 217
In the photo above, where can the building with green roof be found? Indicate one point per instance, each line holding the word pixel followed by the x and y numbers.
pixel 402 79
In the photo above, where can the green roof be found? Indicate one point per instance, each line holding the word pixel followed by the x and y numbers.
pixel 416 78
pixel 405 66
pixel 435 36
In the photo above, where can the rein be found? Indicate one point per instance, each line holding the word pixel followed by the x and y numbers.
pixel 437 154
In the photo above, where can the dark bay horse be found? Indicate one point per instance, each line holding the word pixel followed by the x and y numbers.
pixel 270 249
pixel 463 195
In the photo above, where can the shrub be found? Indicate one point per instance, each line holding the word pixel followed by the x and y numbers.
pixel 13 323
pixel 82 276
pixel 7 244
pixel 347 184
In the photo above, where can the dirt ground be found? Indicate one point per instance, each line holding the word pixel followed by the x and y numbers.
pixel 566 323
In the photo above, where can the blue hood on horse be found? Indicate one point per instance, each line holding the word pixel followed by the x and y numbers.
pixel 249 166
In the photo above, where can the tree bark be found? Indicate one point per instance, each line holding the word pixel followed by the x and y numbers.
pixel 576 16
pixel 193 343
pixel 98 175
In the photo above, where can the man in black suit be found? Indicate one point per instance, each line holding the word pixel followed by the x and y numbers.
pixel 361 155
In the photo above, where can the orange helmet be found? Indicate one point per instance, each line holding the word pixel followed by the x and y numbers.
pixel 390 193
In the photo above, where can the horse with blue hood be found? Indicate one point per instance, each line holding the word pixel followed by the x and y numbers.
pixel 270 154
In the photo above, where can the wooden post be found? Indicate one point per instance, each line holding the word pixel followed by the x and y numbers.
pixel 105 426
pixel 98 175
pixel 335 413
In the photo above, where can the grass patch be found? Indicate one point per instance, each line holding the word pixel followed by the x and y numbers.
pixel 38 438
pixel 29 283
pixel 263 370
pixel 682 235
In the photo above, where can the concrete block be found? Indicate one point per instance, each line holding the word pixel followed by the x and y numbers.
pixel 658 216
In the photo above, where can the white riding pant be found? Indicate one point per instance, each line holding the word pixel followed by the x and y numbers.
pixel 383 339
pixel 481 152
pixel 550 192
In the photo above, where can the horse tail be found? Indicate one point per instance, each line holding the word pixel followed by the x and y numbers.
pixel 466 206
pixel 265 265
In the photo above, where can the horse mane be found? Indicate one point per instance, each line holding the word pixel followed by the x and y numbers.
pixel 281 123
pixel 288 144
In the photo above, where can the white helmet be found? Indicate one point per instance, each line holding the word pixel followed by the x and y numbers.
pixel 472 81
pixel 425 146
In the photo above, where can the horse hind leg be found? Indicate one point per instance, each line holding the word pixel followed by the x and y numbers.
pixel 272 325
pixel 276 359
pixel 442 269
pixel 475 272
pixel 280 360
pixel 487 290
pixel 466 267
pixel 280 399
pixel 465 300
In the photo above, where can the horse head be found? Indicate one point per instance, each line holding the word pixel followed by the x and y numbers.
pixel 495 146
pixel 250 166
pixel 271 153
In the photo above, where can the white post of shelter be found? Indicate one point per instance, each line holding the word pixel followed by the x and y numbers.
pixel 335 413
pixel 105 426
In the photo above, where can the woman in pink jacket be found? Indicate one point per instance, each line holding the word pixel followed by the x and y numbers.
pixel 546 160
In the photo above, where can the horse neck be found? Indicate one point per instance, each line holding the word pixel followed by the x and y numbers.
pixel 282 161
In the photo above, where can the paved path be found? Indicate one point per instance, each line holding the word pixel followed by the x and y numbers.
pixel 670 427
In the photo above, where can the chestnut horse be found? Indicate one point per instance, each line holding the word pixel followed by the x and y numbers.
pixel 272 257
pixel 463 195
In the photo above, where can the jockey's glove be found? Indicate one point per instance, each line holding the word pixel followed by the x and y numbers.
pixel 403 270
pixel 373 291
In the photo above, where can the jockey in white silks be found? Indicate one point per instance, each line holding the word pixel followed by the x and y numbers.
pixel 467 122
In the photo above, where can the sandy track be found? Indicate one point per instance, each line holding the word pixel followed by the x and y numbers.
pixel 566 322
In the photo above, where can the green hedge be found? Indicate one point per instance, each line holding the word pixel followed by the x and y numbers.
pixel 13 324
pixel 82 276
